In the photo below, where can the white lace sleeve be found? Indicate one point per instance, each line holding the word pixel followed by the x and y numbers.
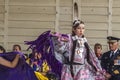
pixel 59 49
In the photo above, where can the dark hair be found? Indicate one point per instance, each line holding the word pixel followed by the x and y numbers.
pixel 76 23
pixel 16 45
pixel 2 49
pixel 97 44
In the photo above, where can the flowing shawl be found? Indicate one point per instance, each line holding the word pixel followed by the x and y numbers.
pixel 21 72
pixel 94 62
pixel 44 45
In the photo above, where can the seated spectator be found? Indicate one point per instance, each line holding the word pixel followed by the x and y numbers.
pixel 2 50
pixel 11 67
pixel 36 61
pixel 98 50
pixel 7 63
pixel 40 67
pixel 17 48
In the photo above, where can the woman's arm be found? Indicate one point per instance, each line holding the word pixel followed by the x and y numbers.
pixel 8 63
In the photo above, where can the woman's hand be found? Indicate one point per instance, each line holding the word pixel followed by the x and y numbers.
pixel 18 55
pixel 64 39
pixel 107 76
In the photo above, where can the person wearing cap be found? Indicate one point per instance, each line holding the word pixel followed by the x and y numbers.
pixel 110 60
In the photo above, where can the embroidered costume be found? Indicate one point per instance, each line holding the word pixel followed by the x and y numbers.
pixel 80 63
pixel 71 60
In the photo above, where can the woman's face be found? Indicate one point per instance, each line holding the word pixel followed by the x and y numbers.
pixel 79 31
pixel 16 48
pixel 98 51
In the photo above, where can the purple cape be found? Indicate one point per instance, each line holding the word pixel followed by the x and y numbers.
pixel 44 45
pixel 21 72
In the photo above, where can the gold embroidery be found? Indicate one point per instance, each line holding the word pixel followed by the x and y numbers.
pixel 116 72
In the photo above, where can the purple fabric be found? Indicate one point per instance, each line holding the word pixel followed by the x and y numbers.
pixel 43 44
pixel 21 72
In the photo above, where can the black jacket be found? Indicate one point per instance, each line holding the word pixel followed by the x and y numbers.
pixel 107 63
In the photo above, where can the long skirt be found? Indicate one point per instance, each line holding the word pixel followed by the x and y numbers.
pixel 81 72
